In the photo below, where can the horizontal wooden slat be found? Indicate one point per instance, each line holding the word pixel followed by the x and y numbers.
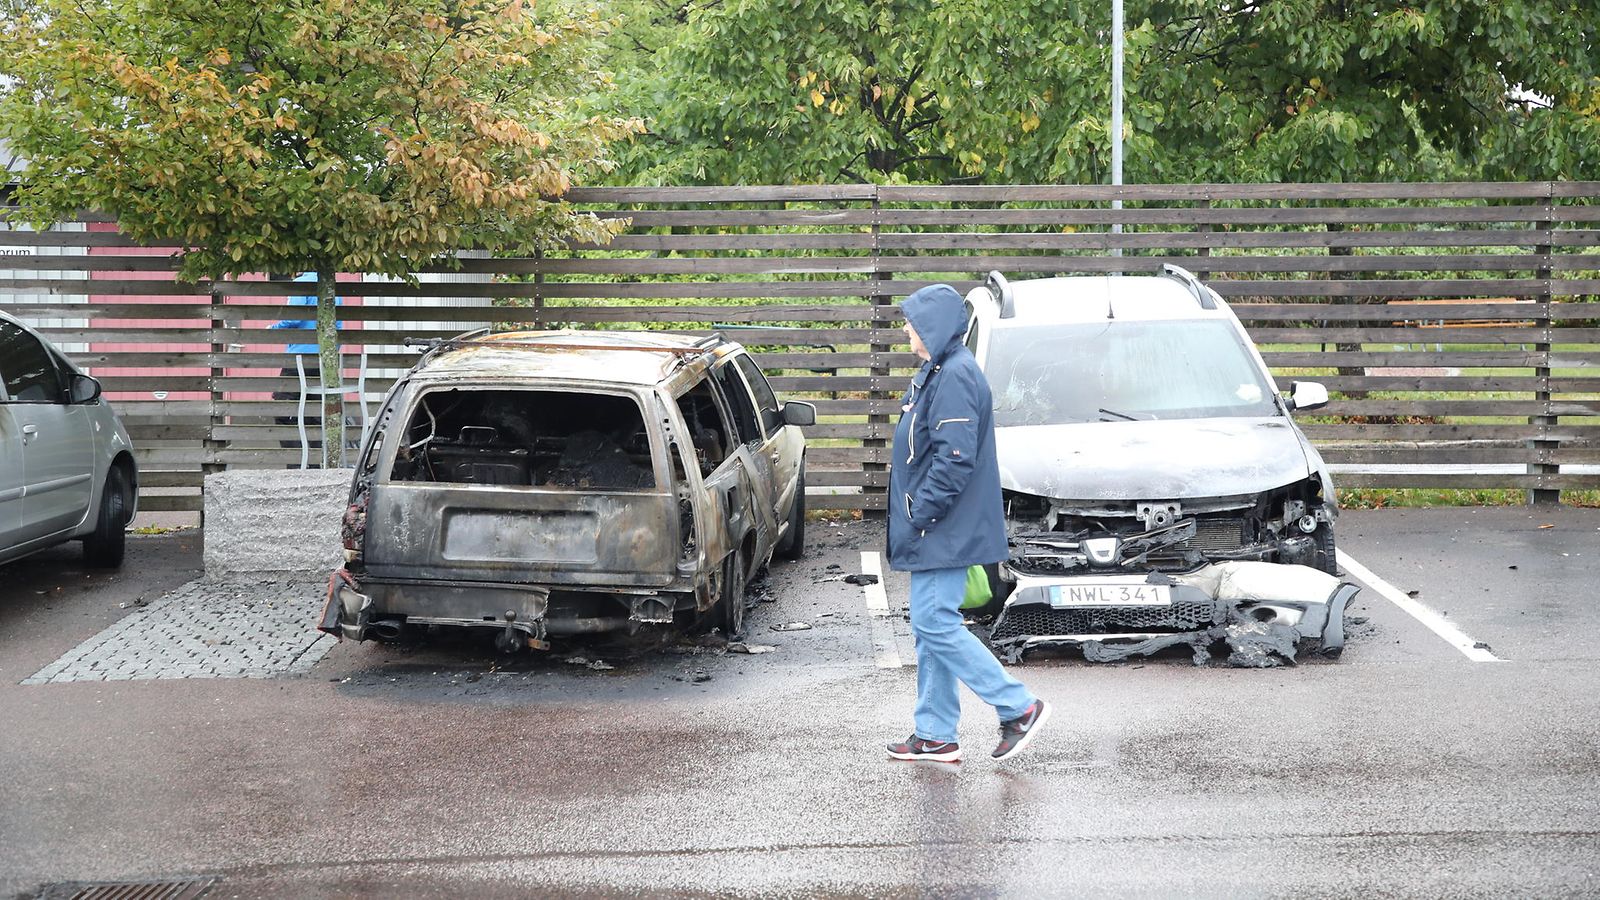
pixel 1446 432
pixel 1466 480
pixel 1089 192
pixel 899 242
pixel 744 218
pixel 170 502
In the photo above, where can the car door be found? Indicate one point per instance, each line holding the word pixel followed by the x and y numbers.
pixel 755 460
pixel 10 476
pixel 57 437
pixel 782 447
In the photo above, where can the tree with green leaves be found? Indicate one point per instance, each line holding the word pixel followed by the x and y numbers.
pixel 1015 91
pixel 309 135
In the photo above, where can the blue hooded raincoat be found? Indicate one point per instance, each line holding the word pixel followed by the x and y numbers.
pixel 944 480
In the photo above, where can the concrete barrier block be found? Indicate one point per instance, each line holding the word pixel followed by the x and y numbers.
pixel 277 523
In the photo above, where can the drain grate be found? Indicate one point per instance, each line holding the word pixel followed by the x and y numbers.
pixel 128 890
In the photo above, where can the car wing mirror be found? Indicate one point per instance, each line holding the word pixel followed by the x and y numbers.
pixel 799 412
pixel 1305 395
pixel 85 388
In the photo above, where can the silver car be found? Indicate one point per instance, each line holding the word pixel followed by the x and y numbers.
pixel 66 464
pixel 1157 491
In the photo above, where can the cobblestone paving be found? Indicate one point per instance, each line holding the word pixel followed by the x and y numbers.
pixel 204 629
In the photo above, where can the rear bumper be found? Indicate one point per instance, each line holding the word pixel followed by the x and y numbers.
pixel 380 608
pixel 1261 610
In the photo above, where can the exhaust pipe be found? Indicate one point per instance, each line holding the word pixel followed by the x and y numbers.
pixel 386 629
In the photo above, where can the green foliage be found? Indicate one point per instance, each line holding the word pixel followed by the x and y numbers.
pixel 335 135
pixel 1010 91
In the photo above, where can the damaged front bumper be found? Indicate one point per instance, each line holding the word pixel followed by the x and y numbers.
pixel 1261 610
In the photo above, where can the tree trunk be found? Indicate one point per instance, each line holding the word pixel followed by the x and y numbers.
pixel 332 374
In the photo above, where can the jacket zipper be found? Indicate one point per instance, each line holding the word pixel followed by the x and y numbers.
pixel 911 440
pixel 943 421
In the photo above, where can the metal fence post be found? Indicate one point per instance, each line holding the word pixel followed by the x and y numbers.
pixel 878 423
pixel 1543 424
pixel 215 385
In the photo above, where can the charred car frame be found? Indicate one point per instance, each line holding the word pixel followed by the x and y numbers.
pixel 1157 491
pixel 557 483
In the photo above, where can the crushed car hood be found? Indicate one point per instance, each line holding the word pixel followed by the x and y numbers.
pixel 1171 460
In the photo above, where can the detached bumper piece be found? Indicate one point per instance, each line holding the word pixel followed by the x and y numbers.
pixel 1261 611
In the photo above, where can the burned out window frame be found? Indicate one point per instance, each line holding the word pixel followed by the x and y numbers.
pixel 724 373
pixel 660 468
pixel 725 427
pixel 770 414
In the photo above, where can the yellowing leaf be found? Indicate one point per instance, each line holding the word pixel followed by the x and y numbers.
pixel 816 97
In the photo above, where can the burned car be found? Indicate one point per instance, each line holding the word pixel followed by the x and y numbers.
pixel 1156 490
pixel 544 484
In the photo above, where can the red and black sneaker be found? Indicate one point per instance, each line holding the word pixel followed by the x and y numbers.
pixel 1015 734
pixel 934 751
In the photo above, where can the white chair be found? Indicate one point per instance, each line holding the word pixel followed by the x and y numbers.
pixel 315 389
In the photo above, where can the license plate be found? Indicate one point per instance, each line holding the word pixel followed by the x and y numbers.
pixel 1110 595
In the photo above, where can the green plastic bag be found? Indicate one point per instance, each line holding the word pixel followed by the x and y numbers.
pixel 978 593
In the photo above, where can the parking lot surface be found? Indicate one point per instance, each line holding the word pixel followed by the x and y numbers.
pixel 1410 767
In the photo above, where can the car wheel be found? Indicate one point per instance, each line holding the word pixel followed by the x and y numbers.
pixel 793 545
pixel 1327 561
pixel 730 605
pixel 104 547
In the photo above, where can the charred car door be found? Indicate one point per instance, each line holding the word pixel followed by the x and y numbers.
pixel 782 447
pixel 754 467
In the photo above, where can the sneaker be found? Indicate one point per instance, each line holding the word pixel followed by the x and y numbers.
pixel 934 751
pixel 1015 734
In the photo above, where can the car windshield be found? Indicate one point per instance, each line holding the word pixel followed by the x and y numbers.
pixel 1124 371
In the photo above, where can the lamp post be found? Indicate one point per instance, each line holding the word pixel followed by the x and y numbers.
pixel 1116 113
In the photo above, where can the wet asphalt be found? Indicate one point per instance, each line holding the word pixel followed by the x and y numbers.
pixel 444 770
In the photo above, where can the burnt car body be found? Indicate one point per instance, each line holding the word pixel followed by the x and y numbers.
pixel 559 483
pixel 1157 491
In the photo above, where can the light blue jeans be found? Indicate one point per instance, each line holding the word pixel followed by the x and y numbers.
pixel 947 653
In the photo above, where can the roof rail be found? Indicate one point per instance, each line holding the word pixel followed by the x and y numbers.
pixel 1192 282
pixel 430 346
pixel 1003 295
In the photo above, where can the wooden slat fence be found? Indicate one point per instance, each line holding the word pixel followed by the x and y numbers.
pixel 1455 322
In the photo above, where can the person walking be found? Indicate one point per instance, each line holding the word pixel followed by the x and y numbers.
pixel 945 515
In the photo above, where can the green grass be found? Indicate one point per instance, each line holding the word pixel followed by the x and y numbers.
pixel 1423 498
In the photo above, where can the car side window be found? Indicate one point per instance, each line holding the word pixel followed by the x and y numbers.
pixel 766 400
pixel 30 375
pixel 707 431
pixel 739 403
pixel 972 336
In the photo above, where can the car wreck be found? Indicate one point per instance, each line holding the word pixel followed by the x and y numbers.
pixel 1157 491
pixel 550 484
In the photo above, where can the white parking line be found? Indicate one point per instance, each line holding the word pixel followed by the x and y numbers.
pixel 884 649
pixel 1419 611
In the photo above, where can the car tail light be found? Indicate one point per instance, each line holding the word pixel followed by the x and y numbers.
pixel 353 528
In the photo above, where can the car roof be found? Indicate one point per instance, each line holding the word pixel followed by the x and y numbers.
pixel 616 357
pixel 1072 300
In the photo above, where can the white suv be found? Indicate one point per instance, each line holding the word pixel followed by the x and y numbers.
pixel 1157 491
pixel 66 464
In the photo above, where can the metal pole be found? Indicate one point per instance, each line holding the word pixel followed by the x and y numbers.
pixel 1116 111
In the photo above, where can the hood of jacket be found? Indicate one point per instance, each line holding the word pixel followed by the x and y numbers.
pixel 937 313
